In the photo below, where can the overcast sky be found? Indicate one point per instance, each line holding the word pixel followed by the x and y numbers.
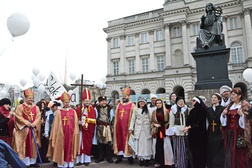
pixel 59 30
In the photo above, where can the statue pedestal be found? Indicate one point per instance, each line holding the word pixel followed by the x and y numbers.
pixel 211 66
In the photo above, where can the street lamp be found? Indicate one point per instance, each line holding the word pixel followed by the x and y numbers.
pixel 93 93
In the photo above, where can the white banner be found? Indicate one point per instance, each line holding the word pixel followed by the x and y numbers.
pixel 75 96
pixel 54 87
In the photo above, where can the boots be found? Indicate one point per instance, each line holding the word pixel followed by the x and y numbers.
pixel 95 152
pixel 146 163
pixel 119 159
pixel 101 153
pixel 141 162
pixel 130 160
pixel 108 152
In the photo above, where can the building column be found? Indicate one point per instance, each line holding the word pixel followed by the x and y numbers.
pixel 185 42
pixel 137 61
pixel 224 23
pixel 151 46
pixel 248 35
pixel 168 56
pixel 122 65
pixel 244 37
pixel 190 58
pixel 108 56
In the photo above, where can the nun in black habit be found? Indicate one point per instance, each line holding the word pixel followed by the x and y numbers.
pixel 197 135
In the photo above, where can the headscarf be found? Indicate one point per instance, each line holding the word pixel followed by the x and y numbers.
pixel 2 109
pixel 4 112
pixel 199 103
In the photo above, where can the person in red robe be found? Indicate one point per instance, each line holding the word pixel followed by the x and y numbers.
pixel 232 120
pixel 6 121
pixel 123 115
pixel 64 137
pixel 87 120
pixel 27 121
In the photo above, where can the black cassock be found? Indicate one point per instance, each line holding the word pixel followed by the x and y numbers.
pixel 215 143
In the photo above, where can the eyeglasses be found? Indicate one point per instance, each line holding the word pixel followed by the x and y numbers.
pixel 193 100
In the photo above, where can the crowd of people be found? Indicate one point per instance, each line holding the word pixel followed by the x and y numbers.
pixel 171 134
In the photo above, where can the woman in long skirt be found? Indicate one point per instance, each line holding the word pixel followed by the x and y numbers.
pixel 160 121
pixel 140 126
pixel 178 115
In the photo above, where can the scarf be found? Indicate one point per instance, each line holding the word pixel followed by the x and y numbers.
pixel 4 111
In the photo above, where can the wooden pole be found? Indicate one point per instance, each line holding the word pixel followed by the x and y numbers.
pixel 81 89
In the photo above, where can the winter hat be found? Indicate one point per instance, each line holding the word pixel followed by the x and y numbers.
pixel 153 96
pixel 141 99
pixel 225 88
pixel 5 101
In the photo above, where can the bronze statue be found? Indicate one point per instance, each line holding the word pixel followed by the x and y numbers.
pixel 211 27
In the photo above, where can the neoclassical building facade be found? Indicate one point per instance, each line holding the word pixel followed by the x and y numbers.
pixel 151 51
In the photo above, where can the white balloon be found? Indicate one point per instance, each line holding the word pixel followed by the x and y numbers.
pixel 35 71
pixel 7 86
pixel 33 77
pixel 247 75
pixel 23 82
pixel 41 77
pixel 18 24
pixel 3 93
pixel 70 92
pixel 36 82
pixel 103 80
pixel 41 88
pixel 72 77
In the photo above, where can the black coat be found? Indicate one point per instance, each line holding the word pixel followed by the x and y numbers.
pixel 4 129
pixel 197 135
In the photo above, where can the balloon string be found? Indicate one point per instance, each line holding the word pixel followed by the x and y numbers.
pixel 2 51
pixel 11 40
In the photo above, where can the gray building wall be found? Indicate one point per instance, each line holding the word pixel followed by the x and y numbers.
pixel 179 74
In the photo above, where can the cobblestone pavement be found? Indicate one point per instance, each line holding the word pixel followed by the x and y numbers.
pixel 105 164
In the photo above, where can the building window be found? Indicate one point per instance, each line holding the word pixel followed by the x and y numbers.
pixel 144 38
pixel 145 65
pixel 160 63
pixel 115 43
pixel 116 68
pixel 131 66
pixel 176 32
pixel 131 40
pixel 195 29
pixel 159 35
pixel 236 53
pixel 233 23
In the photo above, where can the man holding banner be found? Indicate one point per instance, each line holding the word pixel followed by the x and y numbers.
pixel 27 130
pixel 87 120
